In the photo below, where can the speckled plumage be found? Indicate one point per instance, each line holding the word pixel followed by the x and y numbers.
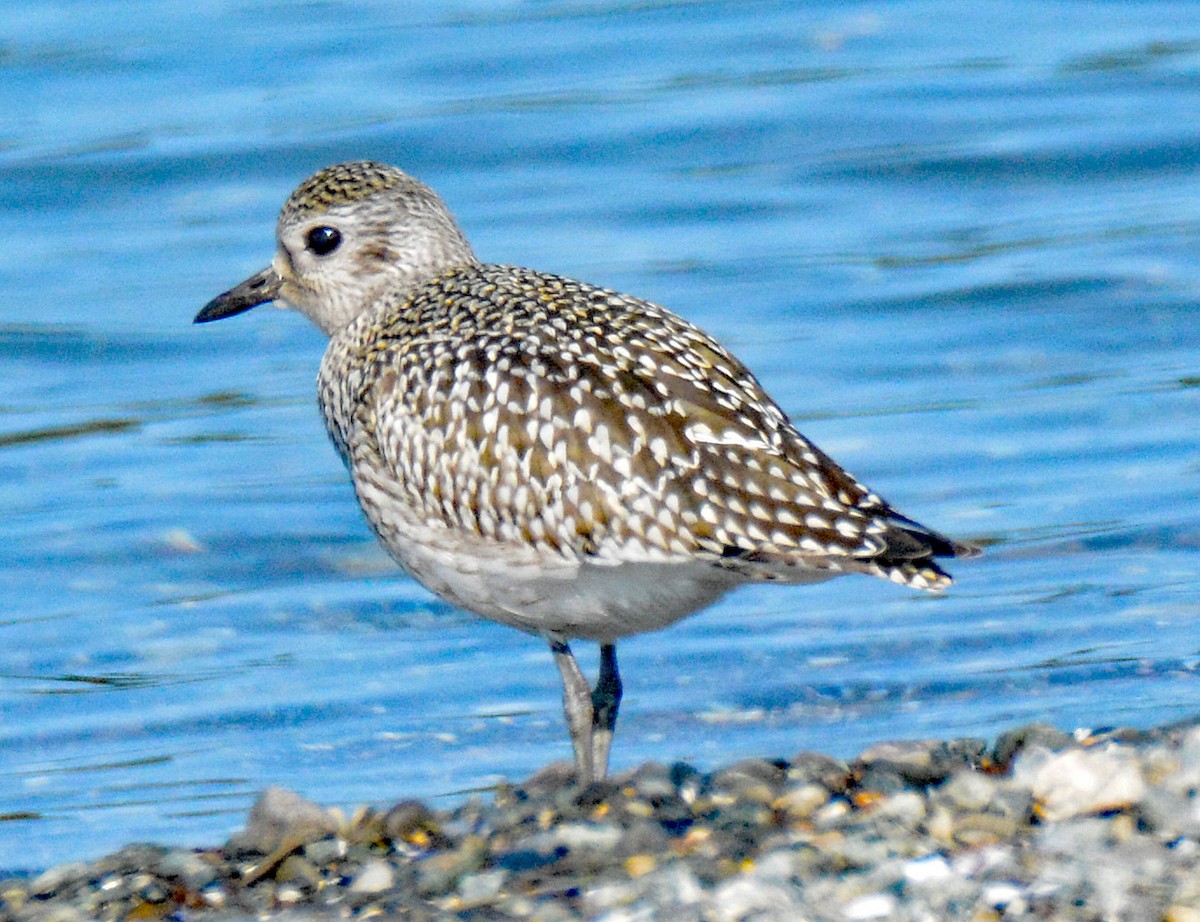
pixel 569 460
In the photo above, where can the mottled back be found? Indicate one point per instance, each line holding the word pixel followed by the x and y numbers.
pixel 529 409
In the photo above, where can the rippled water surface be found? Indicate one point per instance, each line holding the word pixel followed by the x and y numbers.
pixel 957 242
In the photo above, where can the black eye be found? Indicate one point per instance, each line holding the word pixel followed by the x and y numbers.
pixel 323 240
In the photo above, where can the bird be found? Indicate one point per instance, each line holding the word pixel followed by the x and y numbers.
pixel 559 457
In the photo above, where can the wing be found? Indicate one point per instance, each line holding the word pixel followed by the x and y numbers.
pixel 586 423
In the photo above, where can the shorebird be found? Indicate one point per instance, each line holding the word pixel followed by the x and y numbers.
pixel 565 459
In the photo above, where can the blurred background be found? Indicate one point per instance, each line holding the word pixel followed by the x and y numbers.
pixel 957 243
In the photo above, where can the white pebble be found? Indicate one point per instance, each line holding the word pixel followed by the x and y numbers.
pixel 1079 782
pixel 933 869
pixel 479 888
pixel 872 906
pixel 588 836
pixel 374 877
pixel 1004 896
pixel 748 897
pixel 288 895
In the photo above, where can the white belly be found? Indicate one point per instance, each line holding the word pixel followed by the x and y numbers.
pixel 571 598
pixel 599 598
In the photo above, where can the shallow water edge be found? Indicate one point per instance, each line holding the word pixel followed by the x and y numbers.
pixel 1095 824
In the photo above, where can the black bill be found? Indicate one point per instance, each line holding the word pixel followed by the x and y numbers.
pixel 258 289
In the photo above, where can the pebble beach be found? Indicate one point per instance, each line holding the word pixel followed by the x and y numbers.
pixel 1037 824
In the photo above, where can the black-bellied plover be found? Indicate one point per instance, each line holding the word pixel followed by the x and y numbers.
pixel 558 457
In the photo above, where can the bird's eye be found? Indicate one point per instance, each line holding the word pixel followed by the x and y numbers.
pixel 323 240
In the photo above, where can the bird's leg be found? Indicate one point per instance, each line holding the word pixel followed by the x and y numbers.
pixel 577 703
pixel 606 699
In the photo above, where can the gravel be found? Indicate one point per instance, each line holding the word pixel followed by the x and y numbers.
pixel 1098 825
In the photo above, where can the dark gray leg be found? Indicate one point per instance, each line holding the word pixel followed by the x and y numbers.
pixel 577 703
pixel 606 700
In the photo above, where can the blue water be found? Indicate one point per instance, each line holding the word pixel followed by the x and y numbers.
pixel 957 242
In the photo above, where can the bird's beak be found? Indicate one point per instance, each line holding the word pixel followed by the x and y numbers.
pixel 258 289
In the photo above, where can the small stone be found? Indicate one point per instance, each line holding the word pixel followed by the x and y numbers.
pixel 1129 735
pixel 644 838
pixel 871 906
pixel 61 913
pixel 49 882
pixel 518 907
pixel 911 760
pixel 1160 766
pixel 864 851
pixel 288 895
pixel 552 778
pixel 152 890
pixel 832 814
pixel 1079 782
pixel 968 752
pixel 697 841
pixel 518 861
pixel 1187 776
pixel 803 801
pixel 373 877
pixel 1012 801
pixel 754 778
pixel 906 809
pixel 650 781
pixel 741 818
pixel 817 768
pixel 325 852
pixel 366 827
pixel 215 896
pixel 976 829
pixel 777 866
pixel 412 822
pixel 1009 745
pixel 968 791
pixel 933 870
pixel 671 893
pixel 879 779
pixel 280 817
pixel 940 826
pixel 439 873
pixel 589 837
pixel 482 888
pixel 1005 896
pixel 640 865
pixel 187 867
pixel 13 896
pixel 687 781
pixel 1122 828
pixel 746 897
pixel 298 870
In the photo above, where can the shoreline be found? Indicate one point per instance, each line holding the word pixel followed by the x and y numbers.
pixel 1039 823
